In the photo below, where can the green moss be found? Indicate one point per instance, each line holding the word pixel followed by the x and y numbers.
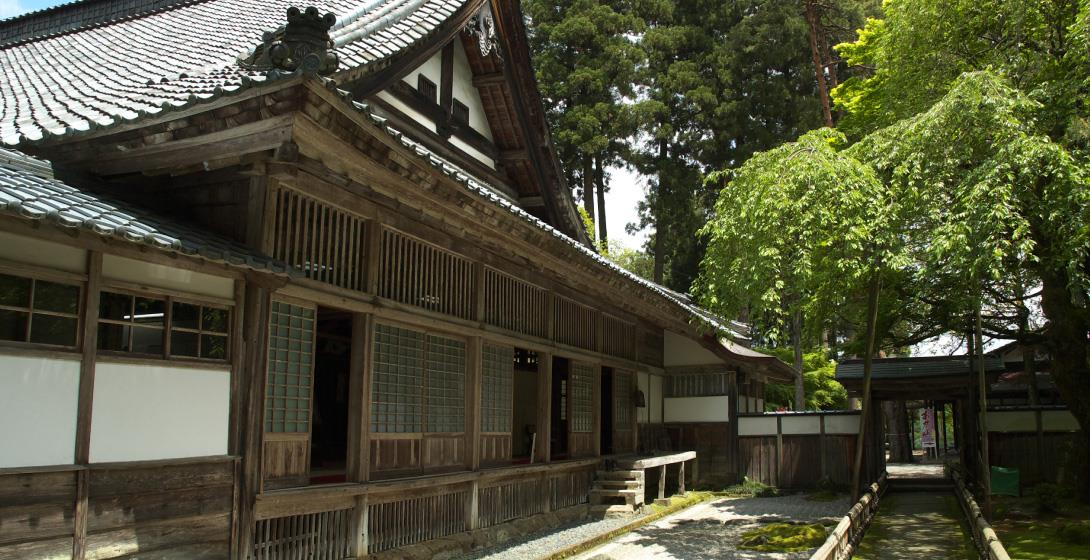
pixel 1040 541
pixel 1027 533
pixel 752 489
pixel 783 537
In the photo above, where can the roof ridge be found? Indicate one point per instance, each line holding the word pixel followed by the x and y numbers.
pixel 12 35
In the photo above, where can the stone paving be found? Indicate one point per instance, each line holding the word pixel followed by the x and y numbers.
pixel 711 530
pixel 917 525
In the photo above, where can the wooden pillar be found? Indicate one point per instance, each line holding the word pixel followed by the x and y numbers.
pixel 544 406
pixel 473 402
pixel 680 478
pixel 359 422
pixel 733 451
pixel 662 482
pixel 821 446
pixel 779 450
pixel 255 339
pixel 82 452
pixel 473 505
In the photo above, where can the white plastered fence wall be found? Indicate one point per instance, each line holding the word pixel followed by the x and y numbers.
pixel 651 387
pixel 697 409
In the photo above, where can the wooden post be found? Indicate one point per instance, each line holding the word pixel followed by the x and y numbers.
pixel 544 405
pixel 359 445
pixel 779 450
pixel 662 482
pixel 255 333
pixel 473 403
pixel 89 337
pixel 733 452
pixel 680 477
pixel 821 445
pixel 473 506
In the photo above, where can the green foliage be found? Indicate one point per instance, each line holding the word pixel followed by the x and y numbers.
pixel 1048 497
pixel 632 260
pixel 784 537
pixel 752 489
pixel 797 229
pixel 1074 533
pixel 823 391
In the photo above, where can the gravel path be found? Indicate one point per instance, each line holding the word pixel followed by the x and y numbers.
pixel 711 530
pixel 544 543
pixel 708 530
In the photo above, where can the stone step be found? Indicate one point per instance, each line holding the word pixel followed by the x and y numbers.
pixel 614 475
pixel 618 483
pixel 614 510
pixel 615 492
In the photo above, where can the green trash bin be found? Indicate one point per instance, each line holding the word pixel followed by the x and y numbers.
pixel 1006 482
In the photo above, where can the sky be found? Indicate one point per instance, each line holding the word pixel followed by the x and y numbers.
pixel 12 8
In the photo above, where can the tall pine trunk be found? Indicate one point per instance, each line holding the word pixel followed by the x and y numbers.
pixel 600 183
pixel 819 66
pixel 796 343
pixel 588 191
pixel 660 218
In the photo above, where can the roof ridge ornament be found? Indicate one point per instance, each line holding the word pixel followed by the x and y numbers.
pixel 483 26
pixel 302 44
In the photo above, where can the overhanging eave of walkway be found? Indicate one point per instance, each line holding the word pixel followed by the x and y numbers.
pixel 923 378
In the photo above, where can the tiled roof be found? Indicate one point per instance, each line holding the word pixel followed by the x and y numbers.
pixel 28 190
pixel 924 366
pixel 120 70
pixel 104 73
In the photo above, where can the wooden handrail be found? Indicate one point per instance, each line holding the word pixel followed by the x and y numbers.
pixel 845 537
pixel 987 542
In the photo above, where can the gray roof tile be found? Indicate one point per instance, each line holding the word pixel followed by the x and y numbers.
pixel 28 190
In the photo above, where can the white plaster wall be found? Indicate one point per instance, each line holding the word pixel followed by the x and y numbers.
pixel 432 69
pixel 842 424
pixel 38 401
pixel 1058 421
pixel 143 412
pixel 166 277
pixel 697 409
pixel 757 426
pixel 394 102
pixel 465 92
pixel 1012 421
pixel 683 351
pixel 23 249
pixel 473 152
pixel 799 425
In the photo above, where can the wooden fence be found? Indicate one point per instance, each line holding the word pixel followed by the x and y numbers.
pixel 841 543
pixel 380 516
pixel 1032 440
pixel 796 450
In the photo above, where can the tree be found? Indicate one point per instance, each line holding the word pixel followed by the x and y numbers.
pixel 994 196
pixel 823 391
pixel 586 63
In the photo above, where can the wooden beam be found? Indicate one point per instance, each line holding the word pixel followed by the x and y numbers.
pixel 89 340
pixel 255 329
pixel 489 79
pixel 596 402
pixel 532 201
pixel 544 406
pixel 446 79
pixel 518 154
pixel 358 445
pixel 473 402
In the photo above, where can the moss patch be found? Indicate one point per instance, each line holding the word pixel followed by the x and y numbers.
pixel 784 537
pixel 1029 534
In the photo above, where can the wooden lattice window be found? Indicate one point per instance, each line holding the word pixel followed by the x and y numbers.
pixel 446 379
pixel 622 400
pixel 496 390
pixel 427 88
pixel 698 384
pixel 198 331
pixel 459 113
pixel 419 382
pixel 618 337
pixel 515 305
pixel 420 274
pixel 326 243
pixel 582 397
pixel 574 324
pixel 163 327
pixel 291 368
pixel 396 402
pixel 38 311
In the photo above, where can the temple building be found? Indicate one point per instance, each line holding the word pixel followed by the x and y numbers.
pixel 285 281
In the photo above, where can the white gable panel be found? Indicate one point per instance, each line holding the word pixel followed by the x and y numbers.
pixel 465 92
pixel 683 351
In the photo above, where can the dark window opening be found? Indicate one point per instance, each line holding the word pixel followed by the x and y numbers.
pixel 525 436
pixel 558 433
pixel 459 113
pixel 329 422
pixel 606 433
pixel 38 311
pixel 427 88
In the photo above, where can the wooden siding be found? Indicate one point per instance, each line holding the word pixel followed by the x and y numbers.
pixel 401 453
pixel 495 448
pixel 575 324
pixel 618 337
pixel 394 522
pixel 36 514
pixel 286 456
